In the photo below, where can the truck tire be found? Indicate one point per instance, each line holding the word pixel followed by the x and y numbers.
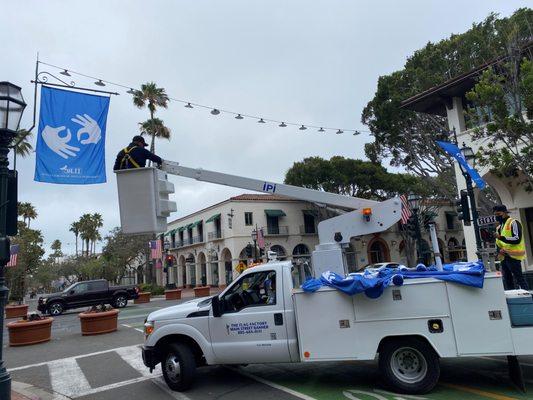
pixel 179 366
pixel 55 308
pixel 409 365
pixel 120 301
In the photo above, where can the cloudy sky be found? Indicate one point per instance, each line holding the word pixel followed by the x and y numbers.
pixel 308 62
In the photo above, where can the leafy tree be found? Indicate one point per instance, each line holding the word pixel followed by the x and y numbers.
pixel 56 247
pixel 407 139
pixel 152 97
pixel 503 107
pixel 29 258
pixel 27 211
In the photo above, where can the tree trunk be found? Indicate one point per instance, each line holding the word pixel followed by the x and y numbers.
pixel 76 245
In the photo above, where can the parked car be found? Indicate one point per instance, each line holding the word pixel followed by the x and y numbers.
pixel 87 293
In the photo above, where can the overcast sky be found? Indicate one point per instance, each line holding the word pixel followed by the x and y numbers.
pixel 313 62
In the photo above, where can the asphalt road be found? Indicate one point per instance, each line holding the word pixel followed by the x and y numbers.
pixel 110 367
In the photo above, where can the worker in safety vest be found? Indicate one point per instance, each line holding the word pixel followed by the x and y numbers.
pixel 511 248
pixel 135 155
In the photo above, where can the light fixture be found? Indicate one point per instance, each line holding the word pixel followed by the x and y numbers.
pixel 468 153
pixel 214 111
pixel 11 106
pixel 261 121
pixel 393 243
pixel 302 128
pixel 99 83
pixel 321 130
pixel 188 105
pixel 355 133
pixel 414 201
pixel 254 235
pixel 339 131
pixel 363 242
pixel 65 72
pixel 131 91
pixel 239 116
pixel 282 125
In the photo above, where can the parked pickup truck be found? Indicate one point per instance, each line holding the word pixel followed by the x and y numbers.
pixel 87 293
pixel 263 317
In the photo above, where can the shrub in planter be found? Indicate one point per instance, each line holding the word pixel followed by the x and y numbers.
pixel 98 320
pixel 144 297
pixel 173 294
pixel 32 329
pixel 16 310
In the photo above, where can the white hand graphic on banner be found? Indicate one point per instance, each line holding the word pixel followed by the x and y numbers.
pixel 89 127
pixel 57 143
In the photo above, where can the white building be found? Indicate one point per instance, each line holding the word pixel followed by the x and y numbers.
pixel 208 244
pixel 448 100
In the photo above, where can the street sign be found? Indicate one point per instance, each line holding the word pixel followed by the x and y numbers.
pixel 487 220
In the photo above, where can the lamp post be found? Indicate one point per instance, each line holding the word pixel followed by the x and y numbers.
pixel 166 246
pixel 470 158
pixel 414 204
pixel 11 108
pixel 254 238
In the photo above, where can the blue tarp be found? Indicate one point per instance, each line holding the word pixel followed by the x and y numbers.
pixel 373 282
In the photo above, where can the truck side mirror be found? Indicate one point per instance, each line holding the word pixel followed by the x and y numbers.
pixel 217 306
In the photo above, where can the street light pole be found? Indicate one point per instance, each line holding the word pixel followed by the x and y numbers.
pixel 414 204
pixel 254 238
pixel 11 108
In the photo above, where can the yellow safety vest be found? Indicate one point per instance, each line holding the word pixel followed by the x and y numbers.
pixel 516 251
pixel 128 158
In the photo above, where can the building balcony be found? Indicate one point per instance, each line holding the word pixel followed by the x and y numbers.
pixel 198 239
pixel 277 231
pixel 307 230
pixel 214 235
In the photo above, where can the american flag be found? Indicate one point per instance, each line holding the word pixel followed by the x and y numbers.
pixel 406 211
pixel 260 239
pixel 14 250
pixel 155 247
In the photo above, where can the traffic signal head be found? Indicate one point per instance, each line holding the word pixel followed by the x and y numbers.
pixel 463 208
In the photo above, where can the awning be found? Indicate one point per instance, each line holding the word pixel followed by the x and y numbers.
pixel 275 213
pixel 170 232
pixel 181 229
pixel 211 219
pixel 194 224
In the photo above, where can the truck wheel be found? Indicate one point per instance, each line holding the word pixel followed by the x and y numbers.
pixel 55 308
pixel 179 367
pixel 409 365
pixel 120 301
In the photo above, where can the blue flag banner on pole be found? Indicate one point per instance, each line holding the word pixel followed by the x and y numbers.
pixel 71 137
pixel 455 152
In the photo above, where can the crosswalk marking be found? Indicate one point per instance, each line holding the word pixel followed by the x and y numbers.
pixel 134 359
pixel 67 378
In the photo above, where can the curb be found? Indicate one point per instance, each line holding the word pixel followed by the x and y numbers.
pixel 31 392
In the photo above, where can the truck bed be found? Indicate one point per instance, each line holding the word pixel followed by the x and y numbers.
pixel 474 321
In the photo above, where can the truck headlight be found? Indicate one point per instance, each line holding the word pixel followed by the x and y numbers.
pixel 148 328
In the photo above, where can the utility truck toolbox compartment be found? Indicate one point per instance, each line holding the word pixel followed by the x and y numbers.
pixel 520 304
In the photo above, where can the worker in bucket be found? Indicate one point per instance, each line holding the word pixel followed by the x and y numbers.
pixel 135 155
pixel 511 248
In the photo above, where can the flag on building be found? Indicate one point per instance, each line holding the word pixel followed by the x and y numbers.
pixel 406 210
pixel 156 250
pixel 260 239
pixel 14 250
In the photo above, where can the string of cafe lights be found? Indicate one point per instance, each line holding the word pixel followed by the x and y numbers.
pixel 213 110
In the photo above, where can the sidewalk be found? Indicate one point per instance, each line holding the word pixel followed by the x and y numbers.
pixel 24 391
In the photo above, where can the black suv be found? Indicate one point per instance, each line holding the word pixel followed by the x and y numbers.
pixel 87 293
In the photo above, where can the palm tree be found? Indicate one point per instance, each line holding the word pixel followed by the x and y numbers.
pixel 154 127
pixel 85 232
pixel 27 212
pixel 75 229
pixel 152 97
pixel 24 148
pixel 96 223
pixel 56 247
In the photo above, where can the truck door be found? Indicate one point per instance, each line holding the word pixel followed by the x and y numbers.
pixel 252 326
pixel 77 296
pixel 98 292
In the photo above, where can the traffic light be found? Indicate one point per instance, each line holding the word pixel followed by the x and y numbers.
pixel 463 208
pixel 249 250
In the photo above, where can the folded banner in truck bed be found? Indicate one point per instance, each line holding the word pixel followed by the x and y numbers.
pixel 373 283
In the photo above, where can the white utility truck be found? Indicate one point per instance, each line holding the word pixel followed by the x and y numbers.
pixel 264 317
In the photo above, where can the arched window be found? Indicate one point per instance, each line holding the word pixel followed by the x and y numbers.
pixel 301 250
pixel 280 251
pixel 378 251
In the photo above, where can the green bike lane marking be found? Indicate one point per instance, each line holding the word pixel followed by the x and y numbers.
pixel 360 381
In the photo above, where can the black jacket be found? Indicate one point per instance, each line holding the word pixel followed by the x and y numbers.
pixel 138 154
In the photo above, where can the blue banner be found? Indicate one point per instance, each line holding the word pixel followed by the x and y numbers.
pixel 71 137
pixel 455 152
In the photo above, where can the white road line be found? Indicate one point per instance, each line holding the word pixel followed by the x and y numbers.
pixel 114 386
pixel 163 386
pixel 67 378
pixel 67 358
pixel 274 385
pixel 134 358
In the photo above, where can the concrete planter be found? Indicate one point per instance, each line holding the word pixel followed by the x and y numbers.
pixel 202 291
pixel 173 294
pixel 22 333
pixel 144 297
pixel 16 311
pixel 96 323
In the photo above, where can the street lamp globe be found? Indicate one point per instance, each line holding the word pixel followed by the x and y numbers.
pixel 11 106
pixel 254 235
pixel 468 153
pixel 414 201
